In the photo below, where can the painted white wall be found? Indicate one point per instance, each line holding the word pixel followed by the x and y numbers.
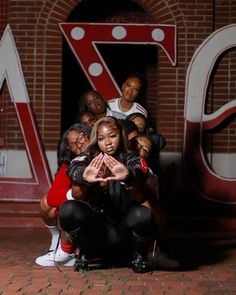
pixel 17 164
pixel 223 164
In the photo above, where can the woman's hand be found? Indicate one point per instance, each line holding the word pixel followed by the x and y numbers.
pixel 119 171
pixel 144 146
pixel 91 172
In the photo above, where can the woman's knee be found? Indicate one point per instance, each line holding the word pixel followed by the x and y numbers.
pixel 141 220
pixel 67 208
pixel 140 213
pixel 72 214
pixel 47 212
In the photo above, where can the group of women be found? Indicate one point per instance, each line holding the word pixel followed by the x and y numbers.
pixel 104 197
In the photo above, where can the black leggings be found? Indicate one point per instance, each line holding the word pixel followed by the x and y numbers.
pixel 136 225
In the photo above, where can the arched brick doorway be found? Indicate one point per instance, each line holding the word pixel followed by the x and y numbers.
pixel 120 59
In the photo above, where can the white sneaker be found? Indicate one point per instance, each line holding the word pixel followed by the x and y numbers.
pixel 56 257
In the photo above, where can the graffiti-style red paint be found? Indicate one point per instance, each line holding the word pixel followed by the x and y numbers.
pixel 207 182
pixel 83 37
pixel 11 71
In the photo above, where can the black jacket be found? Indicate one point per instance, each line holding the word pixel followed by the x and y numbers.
pixel 114 198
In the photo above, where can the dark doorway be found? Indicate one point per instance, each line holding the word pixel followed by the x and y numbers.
pixel 120 59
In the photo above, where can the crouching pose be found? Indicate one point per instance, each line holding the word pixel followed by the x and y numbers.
pixel 105 219
pixel 73 141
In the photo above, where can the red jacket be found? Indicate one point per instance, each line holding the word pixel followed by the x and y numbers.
pixel 60 186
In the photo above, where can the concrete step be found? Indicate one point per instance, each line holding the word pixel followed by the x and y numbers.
pixel 20 214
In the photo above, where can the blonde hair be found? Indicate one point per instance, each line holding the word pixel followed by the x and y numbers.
pixel 112 123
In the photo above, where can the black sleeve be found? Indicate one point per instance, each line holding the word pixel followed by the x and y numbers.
pixel 76 169
pixel 138 170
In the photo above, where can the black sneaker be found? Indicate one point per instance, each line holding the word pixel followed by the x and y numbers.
pixel 138 263
pixel 161 260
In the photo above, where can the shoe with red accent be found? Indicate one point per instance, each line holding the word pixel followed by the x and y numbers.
pixel 58 257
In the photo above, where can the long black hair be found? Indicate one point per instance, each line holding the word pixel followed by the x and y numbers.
pixel 64 155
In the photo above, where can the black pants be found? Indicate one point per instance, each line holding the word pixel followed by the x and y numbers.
pixel 90 231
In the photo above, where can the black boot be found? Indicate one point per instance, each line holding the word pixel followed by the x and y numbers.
pixel 89 257
pixel 81 263
pixel 139 263
pixel 80 241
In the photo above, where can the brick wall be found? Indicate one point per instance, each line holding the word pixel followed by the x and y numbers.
pixel 3 23
pixel 34 24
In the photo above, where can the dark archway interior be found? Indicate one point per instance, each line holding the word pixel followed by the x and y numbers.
pixel 120 59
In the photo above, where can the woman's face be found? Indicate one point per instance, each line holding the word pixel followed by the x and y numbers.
pixel 132 134
pixel 88 119
pixel 77 141
pixel 140 123
pixel 130 89
pixel 108 139
pixel 94 103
